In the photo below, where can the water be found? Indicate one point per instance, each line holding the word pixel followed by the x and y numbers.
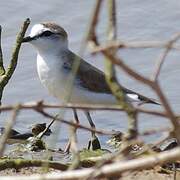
pixel 137 20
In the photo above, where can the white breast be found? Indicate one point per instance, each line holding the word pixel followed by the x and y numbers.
pixel 49 71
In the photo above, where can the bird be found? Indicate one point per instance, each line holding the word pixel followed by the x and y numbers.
pixel 55 63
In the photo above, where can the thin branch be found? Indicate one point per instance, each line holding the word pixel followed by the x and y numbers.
pixel 75 124
pixel 74 149
pixel 91 35
pixel 95 107
pixel 133 45
pixel 127 69
pixel 8 128
pixel 163 56
pixel 2 70
pixel 14 59
pixel 169 111
pixel 46 129
pixel 21 163
pixel 110 74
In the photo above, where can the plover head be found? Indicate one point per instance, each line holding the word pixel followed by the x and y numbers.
pixel 47 36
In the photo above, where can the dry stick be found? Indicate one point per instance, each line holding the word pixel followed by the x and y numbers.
pixel 8 128
pixel 22 163
pixel 46 129
pixel 13 62
pixel 2 70
pixel 91 32
pixel 159 92
pixel 101 107
pixel 111 170
pixel 73 144
pixel 75 124
pixel 169 111
pixel 163 56
pixel 38 106
pixel 111 76
pixel 5 79
pixel 133 45
pixel 74 149
pixel 127 69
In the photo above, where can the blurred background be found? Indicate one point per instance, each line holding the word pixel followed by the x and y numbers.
pixel 137 20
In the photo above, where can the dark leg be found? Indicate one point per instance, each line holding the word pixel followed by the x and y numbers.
pixel 94 142
pixel 68 145
pixel 76 116
pixel 90 121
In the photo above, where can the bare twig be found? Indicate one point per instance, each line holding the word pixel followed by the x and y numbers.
pixel 13 63
pixel 113 169
pixel 169 111
pixel 74 149
pixel 2 70
pixel 75 124
pixel 19 163
pixel 46 129
pixel 111 79
pixel 91 35
pixel 133 45
pixel 127 69
pixel 8 128
pixel 163 56
pixel 95 107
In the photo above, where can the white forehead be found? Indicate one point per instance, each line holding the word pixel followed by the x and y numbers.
pixel 37 29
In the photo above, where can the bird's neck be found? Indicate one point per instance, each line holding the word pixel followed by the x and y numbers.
pixel 53 58
pixel 54 51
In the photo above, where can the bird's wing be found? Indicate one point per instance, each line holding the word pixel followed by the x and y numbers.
pixel 140 97
pixel 87 76
pixel 91 78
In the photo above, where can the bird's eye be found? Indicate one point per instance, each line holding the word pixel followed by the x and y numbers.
pixel 47 33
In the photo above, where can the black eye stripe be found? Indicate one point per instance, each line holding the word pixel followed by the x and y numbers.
pixel 46 34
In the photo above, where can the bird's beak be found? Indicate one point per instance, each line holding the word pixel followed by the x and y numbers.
pixel 27 39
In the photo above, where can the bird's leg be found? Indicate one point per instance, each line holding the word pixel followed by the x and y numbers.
pixel 90 121
pixel 76 116
pixel 94 142
pixel 68 145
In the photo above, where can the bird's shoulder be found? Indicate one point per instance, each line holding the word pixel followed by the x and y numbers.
pixel 88 76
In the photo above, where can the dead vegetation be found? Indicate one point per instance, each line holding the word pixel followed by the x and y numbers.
pixel 112 164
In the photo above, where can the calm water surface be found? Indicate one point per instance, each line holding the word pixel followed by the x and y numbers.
pixel 137 20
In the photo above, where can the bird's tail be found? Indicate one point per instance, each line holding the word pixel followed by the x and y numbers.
pixel 148 100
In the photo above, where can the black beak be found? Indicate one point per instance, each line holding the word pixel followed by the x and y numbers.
pixel 27 39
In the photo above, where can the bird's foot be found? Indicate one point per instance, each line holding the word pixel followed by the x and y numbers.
pixel 94 143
